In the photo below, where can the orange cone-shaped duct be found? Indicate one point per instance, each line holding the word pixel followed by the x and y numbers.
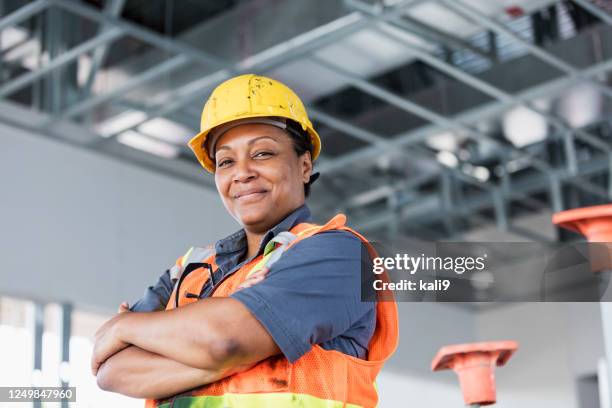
pixel 475 364
pixel 595 223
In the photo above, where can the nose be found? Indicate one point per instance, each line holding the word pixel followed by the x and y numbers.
pixel 244 171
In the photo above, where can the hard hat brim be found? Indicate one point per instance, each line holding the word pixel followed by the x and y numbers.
pixel 197 144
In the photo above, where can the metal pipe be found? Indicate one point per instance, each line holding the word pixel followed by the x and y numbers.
pixel 37 334
pixel 66 322
pixel 1 45
pixel 446 202
pixel 610 179
pixel 606 326
pixel 501 212
pixel 570 153
pixel 556 194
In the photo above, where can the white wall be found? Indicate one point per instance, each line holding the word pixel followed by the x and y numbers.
pixel 558 342
pixel 406 379
pixel 88 228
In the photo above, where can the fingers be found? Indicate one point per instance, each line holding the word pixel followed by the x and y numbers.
pixel 94 368
pixel 107 344
pixel 95 364
pixel 124 307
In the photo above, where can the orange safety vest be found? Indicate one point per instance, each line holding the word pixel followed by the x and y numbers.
pixel 320 378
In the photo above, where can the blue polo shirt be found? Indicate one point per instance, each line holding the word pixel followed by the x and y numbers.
pixel 311 295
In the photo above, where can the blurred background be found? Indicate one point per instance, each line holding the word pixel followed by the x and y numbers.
pixel 458 120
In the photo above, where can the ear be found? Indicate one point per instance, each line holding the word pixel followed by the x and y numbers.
pixel 306 166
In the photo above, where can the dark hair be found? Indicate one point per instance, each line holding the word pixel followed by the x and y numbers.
pixel 301 144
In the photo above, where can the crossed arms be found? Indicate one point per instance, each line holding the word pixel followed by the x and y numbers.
pixel 160 354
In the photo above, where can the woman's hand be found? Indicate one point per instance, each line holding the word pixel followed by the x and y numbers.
pixel 138 373
pixel 124 307
pixel 107 341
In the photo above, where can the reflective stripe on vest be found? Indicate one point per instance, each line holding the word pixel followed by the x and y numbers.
pixel 270 400
pixel 194 254
pixel 320 378
pixel 272 252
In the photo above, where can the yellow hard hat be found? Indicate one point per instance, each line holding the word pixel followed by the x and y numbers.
pixel 249 96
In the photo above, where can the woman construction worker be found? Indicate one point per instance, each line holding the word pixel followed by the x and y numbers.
pixel 270 316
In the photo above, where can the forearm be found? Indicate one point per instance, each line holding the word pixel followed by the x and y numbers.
pixel 192 335
pixel 141 374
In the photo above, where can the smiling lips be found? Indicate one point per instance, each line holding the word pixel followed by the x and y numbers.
pixel 251 193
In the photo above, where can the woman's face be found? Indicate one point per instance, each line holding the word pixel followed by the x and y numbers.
pixel 259 176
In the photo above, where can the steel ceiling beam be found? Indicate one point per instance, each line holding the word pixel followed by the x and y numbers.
pixel 470 13
pixel 371 137
pixel 596 11
pixel 18 16
pixel 446 202
pixel 195 86
pixel 149 75
pixel 480 84
pixel 148 36
pixel 307 42
pixel 522 98
pixel 424 113
pixel 113 8
pixel 188 92
pixel 385 191
pixel 489 89
pixel 63 59
pixel 499 204
pixel 426 210
pixel 290 50
pixel 417 27
pixel 492 109
pixel 23 13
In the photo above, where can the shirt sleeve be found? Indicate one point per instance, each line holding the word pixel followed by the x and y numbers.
pixel 155 297
pixel 312 294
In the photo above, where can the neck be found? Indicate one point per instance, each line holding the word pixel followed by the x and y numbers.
pixel 255 232
pixel 253 241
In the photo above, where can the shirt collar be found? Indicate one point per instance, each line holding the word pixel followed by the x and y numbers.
pixel 237 241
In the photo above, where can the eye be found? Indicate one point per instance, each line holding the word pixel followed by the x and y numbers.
pixel 224 163
pixel 263 154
